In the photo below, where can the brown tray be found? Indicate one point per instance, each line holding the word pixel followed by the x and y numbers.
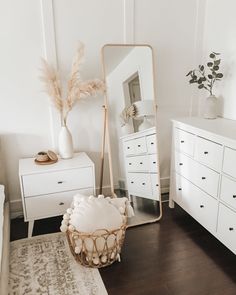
pixel 48 162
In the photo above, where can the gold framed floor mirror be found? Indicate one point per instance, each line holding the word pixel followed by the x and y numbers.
pixel 130 129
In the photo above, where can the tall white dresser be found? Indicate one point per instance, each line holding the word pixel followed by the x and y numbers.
pixel 141 164
pixel 203 174
pixel 48 190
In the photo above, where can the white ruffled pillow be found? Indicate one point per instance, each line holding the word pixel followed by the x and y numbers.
pixel 91 214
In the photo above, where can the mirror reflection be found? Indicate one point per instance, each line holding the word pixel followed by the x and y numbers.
pixel 132 136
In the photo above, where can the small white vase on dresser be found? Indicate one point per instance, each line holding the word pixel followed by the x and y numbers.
pixel 210 107
pixel 65 143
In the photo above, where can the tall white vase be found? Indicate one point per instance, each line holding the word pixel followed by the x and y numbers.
pixel 127 129
pixel 65 143
pixel 210 108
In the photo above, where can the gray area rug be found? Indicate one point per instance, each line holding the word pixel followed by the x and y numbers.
pixel 44 265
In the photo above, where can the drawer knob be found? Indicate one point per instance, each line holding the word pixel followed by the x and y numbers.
pixel 201 206
pixel 157 184
pixel 180 189
pixel 130 163
pixel 203 177
pixel 60 182
pixel 205 153
pixel 154 162
pixel 231 228
pixel 182 141
pixel 143 183
pixel 132 182
pixel 139 145
pixel 61 203
pixel 128 147
pixel 141 163
pixel 152 142
pixel 181 164
pixel 234 196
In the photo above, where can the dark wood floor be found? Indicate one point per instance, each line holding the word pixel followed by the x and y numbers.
pixel 174 257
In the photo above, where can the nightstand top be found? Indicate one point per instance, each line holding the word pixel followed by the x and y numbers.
pixel 79 160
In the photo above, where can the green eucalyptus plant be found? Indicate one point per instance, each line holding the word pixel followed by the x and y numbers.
pixel 206 77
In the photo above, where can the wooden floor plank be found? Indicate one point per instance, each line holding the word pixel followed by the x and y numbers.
pixel 176 256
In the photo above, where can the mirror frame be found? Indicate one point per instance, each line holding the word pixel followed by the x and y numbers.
pixel 106 133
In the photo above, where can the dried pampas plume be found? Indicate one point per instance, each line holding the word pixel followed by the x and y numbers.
pixel 127 113
pixel 76 88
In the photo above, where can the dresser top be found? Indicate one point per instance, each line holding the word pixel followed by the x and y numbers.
pixel 222 127
pixel 151 130
pixel 79 160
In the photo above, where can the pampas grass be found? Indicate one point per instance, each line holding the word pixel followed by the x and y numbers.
pixel 76 88
pixel 127 113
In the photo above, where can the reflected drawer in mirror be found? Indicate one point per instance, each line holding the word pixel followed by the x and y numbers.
pixel 139 184
pixel 153 163
pixel 137 164
pixel 151 144
pixel 155 186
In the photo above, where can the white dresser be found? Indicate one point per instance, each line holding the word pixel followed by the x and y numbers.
pixel 203 174
pixel 141 164
pixel 47 190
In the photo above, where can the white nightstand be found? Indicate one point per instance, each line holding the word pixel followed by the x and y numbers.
pixel 47 190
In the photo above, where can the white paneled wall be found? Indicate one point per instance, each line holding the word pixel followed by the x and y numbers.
pixel 219 36
pixel 31 29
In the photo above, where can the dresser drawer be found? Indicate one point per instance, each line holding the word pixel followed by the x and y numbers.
pixel 197 203
pixel 47 183
pixel 153 163
pixel 155 186
pixel 226 230
pixel 209 153
pixel 151 144
pixel 229 163
pixel 137 164
pixel 228 191
pixel 129 147
pixel 140 145
pixel 184 141
pixel 139 184
pixel 51 205
pixel 203 177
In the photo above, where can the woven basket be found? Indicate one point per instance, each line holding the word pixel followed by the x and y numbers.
pixel 99 249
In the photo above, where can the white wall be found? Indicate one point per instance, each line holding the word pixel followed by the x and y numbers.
pixel 29 31
pixel 172 28
pixel 220 36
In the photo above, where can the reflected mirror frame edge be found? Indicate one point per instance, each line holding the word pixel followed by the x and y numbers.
pixel 107 137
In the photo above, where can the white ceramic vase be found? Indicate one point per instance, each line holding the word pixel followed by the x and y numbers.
pixel 210 108
pixel 127 129
pixel 65 143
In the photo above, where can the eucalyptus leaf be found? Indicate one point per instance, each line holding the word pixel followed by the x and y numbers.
pixel 219 75
pixel 212 55
pixel 210 76
pixel 217 62
pixel 200 86
pixel 210 64
pixel 189 73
